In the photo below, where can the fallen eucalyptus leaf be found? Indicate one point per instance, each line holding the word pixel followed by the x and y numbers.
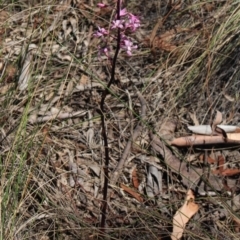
pixel 149 186
pixel 218 119
pixel 182 216
pixel 71 181
pixel 25 73
pixel 215 129
pixel 61 115
pixel 154 181
pixel 96 169
pixel 194 118
pixel 132 192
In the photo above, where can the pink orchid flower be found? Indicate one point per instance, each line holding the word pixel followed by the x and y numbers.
pixel 126 23
pixel 102 5
pixel 117 24
pixel 123 12
pixel 133 22
pixel 101 32
pixel 128 46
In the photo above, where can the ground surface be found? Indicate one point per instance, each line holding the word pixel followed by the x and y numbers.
pixel 185 68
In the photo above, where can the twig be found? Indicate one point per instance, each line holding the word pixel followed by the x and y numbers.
pixel 127 149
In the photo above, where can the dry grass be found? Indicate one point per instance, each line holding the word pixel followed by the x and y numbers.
pixel 50 89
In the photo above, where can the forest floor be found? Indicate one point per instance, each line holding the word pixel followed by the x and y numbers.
pixel 184 71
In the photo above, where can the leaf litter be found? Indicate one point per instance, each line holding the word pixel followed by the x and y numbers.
pixel 189 66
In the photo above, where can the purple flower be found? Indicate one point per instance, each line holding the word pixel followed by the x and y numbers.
pixel 102 5
pixel 106 51
pixel 133 22
pixel 117 24
pixel 128 46
pixel 101 32
pixel 103 51
pixel 126 23
pixel 123 12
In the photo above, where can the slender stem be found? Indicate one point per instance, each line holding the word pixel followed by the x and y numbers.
pixel 104 133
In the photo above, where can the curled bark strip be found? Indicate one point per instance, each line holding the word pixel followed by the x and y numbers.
pixel 135 135
pixel 206 129
pixel 232 138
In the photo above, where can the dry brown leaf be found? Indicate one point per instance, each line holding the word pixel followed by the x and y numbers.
pixel 63 7
pixel 237 223
pixel 177 6
pixel 216 121
pixel 47 138
pixel 51 116
pixel 230 117
pixel 164 41
pixel 211 160
pixel 163 44
pixel 230 172
pixel 10 73
pixel 135 178
pixel 4 89
pixel 154 31
pixel 183 215
pixel 228 97
pixel 194 118
pixel 4 15
pixel 208 7
pixel 221 162
pixel 218 118
pixel 83 80
pixel 224 172
pixel 168 35
pixel 131 192
pixel 167 129
pixel 25 75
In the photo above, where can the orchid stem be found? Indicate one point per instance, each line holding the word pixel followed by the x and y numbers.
pixel 104 133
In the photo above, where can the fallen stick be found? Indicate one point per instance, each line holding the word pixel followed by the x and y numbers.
pixel 194 140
